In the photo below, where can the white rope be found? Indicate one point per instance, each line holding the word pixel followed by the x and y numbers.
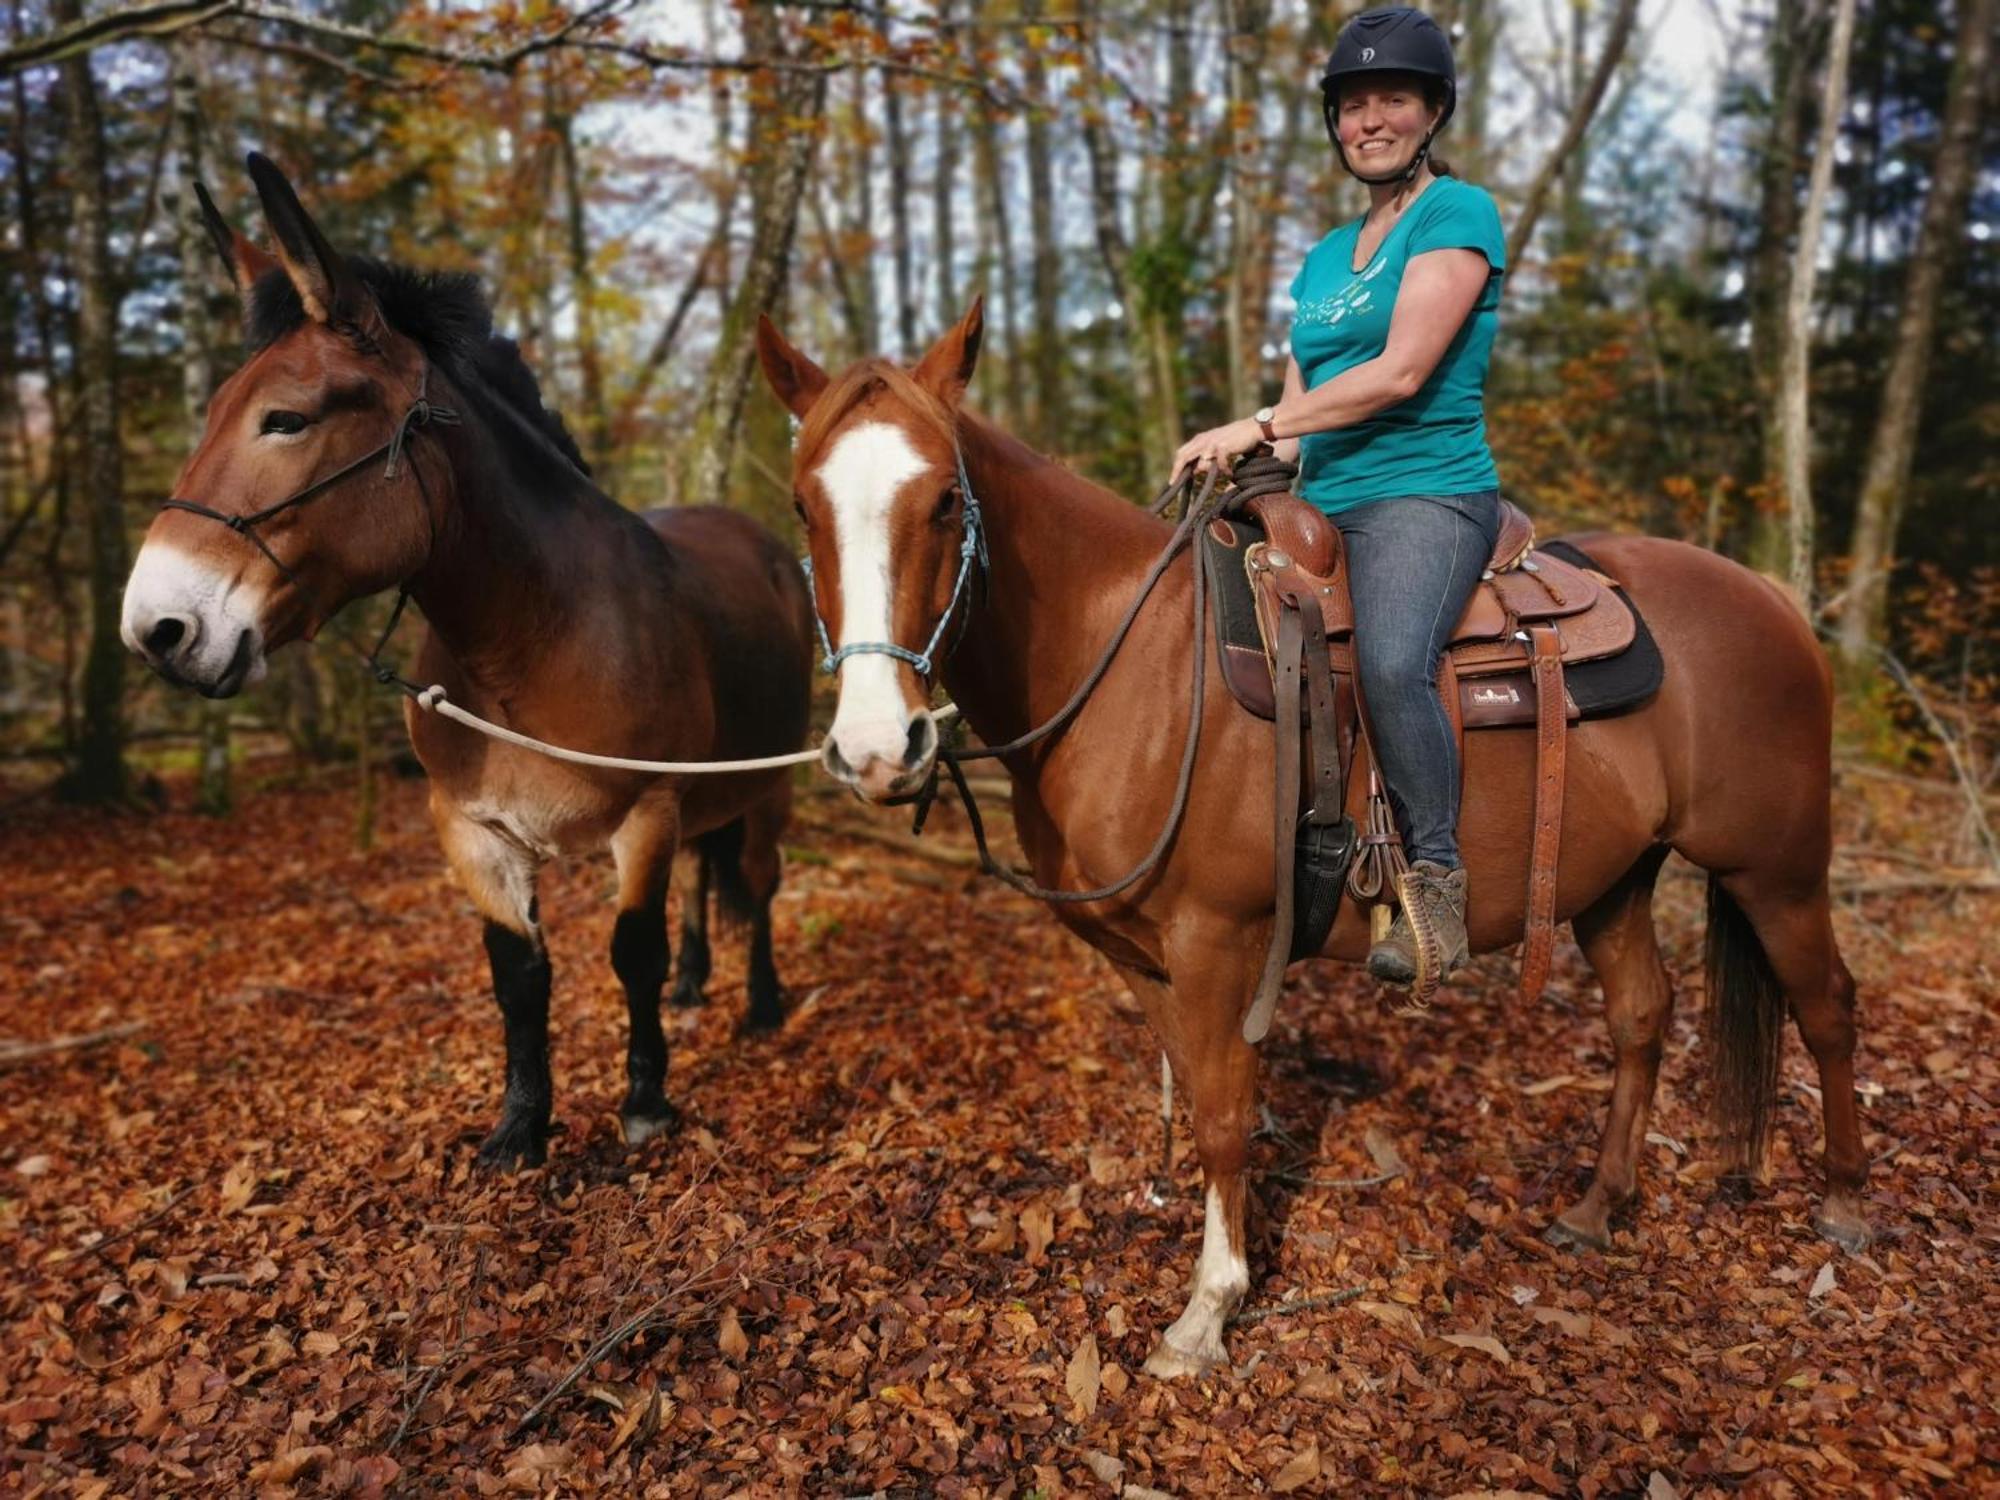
pixel 433 700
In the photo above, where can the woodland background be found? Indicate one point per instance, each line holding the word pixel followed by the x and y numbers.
pixel 920 1242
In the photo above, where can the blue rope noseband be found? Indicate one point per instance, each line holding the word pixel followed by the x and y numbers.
pixel 971 552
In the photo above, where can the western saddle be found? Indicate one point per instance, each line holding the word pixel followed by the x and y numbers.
pixel 1533 615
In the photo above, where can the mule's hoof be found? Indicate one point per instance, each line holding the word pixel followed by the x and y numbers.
pixel 1169 1362
pixel 1565 1235
pixel 1844 1225
pixel 640 1126
pixel 765 1016
pixel 687 995
pixel 514 1146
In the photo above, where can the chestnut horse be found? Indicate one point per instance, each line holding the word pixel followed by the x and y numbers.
pixel 1729 765
pixel 684 635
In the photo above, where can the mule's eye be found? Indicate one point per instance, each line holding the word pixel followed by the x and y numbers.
pixel 284 421
pixel 947 503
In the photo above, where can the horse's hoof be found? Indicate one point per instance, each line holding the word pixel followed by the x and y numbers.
pixel 1567 1236
pixel 515 1146
pixel 1844 1225
pixel 641 1125
pixel 1169 1362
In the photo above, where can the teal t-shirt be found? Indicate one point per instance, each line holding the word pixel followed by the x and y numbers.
pixel 1435 442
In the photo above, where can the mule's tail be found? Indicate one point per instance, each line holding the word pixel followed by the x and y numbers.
pixel 1744 1027
pixel 721 852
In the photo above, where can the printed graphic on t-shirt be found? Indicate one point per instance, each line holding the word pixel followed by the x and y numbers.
pixel 1355 297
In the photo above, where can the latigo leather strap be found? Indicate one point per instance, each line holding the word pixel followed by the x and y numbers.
pixel 1284 818
pixel 1551 722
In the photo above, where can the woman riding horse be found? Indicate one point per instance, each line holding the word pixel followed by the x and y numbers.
pixel 1383 404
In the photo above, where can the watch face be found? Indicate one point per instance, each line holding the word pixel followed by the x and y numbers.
pixel 1262 414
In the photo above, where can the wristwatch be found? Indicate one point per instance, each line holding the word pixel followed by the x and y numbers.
pixel 1263 417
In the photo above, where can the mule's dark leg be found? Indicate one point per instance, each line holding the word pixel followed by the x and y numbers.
pixel 1796 930
pixel 499 875
pixel 763 865
pixel 1617 936
pixel 691 973
pixel 644 850
pixel 521 979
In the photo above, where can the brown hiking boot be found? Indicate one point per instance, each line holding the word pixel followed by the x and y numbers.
pixel 1430 926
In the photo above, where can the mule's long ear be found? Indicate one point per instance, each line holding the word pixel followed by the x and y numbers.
pixel 946 368
pixel 328 289
pixel 242 259
pixel 795 379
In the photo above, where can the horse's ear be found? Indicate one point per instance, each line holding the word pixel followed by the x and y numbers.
pixel 946 368
pixel 793 377
pixel 330 292
pixel 242 259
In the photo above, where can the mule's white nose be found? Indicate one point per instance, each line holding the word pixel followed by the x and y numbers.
pixel 192 625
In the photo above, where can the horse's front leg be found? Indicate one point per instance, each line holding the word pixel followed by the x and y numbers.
pixel 644 850
pixel 1199 1017
pixel 499 875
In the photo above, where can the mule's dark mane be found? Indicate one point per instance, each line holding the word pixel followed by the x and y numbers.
pixel 447 314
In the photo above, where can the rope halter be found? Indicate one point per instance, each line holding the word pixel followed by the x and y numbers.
pixel 971 555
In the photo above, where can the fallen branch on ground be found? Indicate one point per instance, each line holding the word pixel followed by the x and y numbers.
pixel 19 1052
pixel 1303 1304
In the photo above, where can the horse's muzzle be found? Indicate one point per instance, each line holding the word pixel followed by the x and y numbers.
pixel 876 768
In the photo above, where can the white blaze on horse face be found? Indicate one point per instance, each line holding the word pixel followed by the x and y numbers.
pixel 862 476
pixel 217 617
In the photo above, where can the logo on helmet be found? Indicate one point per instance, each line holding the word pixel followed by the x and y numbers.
pixel 1368 54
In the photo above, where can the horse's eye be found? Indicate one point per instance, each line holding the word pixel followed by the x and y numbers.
pixel 947 503
pixel 284 421
pixel 799 510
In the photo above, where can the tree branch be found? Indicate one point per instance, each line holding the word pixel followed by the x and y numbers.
pixel 1580 116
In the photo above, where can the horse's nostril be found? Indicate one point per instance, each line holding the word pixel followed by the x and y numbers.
pixel 836 766
pixel 922 741
pixel 166 634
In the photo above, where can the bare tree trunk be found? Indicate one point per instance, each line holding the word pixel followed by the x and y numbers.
pixel 1049 428
pixel 1582 111
pixel 1893 445
pixel 898 138
pixel 198 272
pixel 101 774
pixel 782 138
pixel 1777 220
pixel 1244 25
pixel 944 185
pixel 582 286
pixel 1795 370
pixel 996 232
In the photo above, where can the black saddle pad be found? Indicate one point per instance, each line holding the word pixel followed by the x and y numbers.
pixel 1598 688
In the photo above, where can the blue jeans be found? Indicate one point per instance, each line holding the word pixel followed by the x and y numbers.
pixel 1413 562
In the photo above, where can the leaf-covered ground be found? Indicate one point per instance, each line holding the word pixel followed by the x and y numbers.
pixel 912 1244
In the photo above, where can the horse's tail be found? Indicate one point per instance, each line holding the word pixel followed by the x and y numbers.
pixel 721 851
pixel 1744 1027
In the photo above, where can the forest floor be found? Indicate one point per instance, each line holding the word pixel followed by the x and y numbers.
pixel 912 1245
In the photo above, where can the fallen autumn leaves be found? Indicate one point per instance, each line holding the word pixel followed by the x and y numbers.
pixel 908 1245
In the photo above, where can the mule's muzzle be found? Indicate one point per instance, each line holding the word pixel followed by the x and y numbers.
pixel 178 649
pixel 875 766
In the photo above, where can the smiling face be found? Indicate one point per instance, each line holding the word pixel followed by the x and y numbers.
pixel 204 605
pixel 1382 119
pixel 875 484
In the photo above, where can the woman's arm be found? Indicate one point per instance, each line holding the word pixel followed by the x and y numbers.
pixel 1287 448
pixel 1440 288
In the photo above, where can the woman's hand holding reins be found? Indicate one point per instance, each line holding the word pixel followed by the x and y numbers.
pixel 1218 447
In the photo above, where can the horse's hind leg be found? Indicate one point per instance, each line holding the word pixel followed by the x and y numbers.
pixel 499 875
pixel 1616 934
pixel 1795 930
pixel 691 968
pixel 644 850
pixel 762 867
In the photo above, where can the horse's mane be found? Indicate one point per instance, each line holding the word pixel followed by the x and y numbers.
pixel 448 316
pixel 865 379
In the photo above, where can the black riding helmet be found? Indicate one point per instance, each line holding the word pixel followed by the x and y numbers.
pixel 1389 39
